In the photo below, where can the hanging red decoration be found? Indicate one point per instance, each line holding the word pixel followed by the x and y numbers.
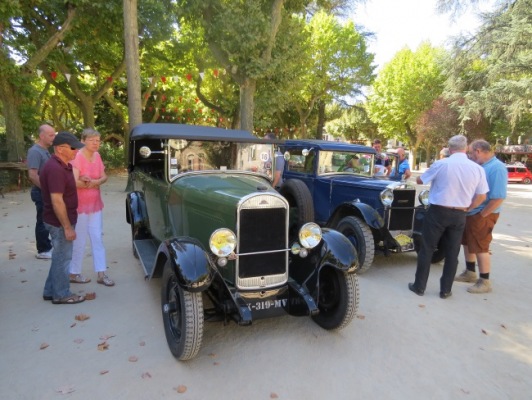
pixel 163 79
pixel 53 74
pixel 180 98
pixel 200 110
pixel 151 109
pixel 175 109
pixel 197 100
pixel 215 73
pixel 188 110
pixel 221 120
pixel 163 97
pixel 163 109
pixel 189 76
pixel 147 96
pixel 167 117
pixel 109 79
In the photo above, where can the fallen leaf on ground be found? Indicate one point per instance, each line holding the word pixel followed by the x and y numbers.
pixel 273 395
pixel 78 341
pixel 143 343
pixel 103 346
pixel 23 281
pixel 106 337
pixel 216 363
pixel 20 226
pixel 82 317
pixel 90 296
pixel 181 389
pixel 361 316
pixel 146 375
pixel 65 389
pixel 73 325
pixel 105 371
pixel 212 355
pixel 44 346
pixel 484 332
pixel 503 326
pixel 133 359
pixel 22 269
pixel 421 305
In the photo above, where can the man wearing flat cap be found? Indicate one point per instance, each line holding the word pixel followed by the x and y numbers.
pixel 60 215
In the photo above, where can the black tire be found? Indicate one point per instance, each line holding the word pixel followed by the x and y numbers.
pixel 361 236
pixel 337 298
pixel 526 181
pixel 438 254
pixel 182 317
pixel 131 223
pixel 300 201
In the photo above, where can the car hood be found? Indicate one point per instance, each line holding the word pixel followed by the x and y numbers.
pixel 227 184
pixel 355 181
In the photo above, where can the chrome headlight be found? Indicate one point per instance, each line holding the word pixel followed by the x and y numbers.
pixel 310 235
pixel 222 242
pixel 387 197
pixel 423 197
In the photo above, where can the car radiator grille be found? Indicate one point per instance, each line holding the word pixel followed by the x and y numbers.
pixel 401 213
pixel 262 229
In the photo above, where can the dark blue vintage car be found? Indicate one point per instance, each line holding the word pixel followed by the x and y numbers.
pixel 342 182
pixel 206 220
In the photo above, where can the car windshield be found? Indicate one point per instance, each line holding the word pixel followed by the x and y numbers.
pixel 191 155
pixel 337 162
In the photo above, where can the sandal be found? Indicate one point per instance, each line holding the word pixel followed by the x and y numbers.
pixel 78 278
pixel 105 280
pixel 72 299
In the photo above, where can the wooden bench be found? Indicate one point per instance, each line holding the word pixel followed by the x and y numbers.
pixel 20 168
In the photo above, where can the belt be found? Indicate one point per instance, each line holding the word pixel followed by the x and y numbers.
pixel 463 209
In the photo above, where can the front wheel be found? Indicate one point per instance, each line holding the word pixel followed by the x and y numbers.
pixel 360 235
pixel 337 298
pixel 182 317
pixel 527 181
pixel 438 254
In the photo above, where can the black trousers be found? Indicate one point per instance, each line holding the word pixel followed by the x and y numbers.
pixel 445 226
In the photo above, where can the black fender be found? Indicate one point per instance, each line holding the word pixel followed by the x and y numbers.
pixel 137 216
pixel 335 251
pixel 191 263
pixel 370 216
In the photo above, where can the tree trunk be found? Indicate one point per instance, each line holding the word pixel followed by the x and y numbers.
pixel 11 101
pixel 321 119
pixel 131 39
pixel 247 103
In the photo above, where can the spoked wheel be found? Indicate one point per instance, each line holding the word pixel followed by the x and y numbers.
pixel 337 298
pixel 182 317
pixel 361 236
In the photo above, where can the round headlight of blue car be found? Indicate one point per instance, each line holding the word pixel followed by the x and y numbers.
pixel 423 197
pixel 387 197
pixel 310 235
pixel 222 242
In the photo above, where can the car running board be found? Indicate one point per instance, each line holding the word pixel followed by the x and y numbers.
pixel 147 251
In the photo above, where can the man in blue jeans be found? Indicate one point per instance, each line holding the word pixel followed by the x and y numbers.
pixel 60 200
pixel 37 156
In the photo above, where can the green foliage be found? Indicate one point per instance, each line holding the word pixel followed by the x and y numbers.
pixel 491 74
pixel 404 89
pixel 112 156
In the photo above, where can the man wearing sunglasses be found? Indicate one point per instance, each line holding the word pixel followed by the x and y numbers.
pixel 60 215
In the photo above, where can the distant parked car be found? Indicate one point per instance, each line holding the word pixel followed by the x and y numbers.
pixel 205 218
pixel 519 173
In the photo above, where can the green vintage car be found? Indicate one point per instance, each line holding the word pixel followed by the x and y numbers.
pixel 205 218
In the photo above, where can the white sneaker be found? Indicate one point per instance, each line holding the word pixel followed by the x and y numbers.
pixel 45 255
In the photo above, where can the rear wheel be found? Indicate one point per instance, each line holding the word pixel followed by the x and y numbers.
pixel 361 236
pixel 182 317
pixel 337 298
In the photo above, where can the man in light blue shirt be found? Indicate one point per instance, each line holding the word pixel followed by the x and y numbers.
pixel 481 220
pixel 457 186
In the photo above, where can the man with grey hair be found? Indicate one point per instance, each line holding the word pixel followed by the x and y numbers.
pixel 37 156
pixel 481 220
pixel 457 186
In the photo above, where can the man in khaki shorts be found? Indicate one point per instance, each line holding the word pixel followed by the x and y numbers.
pixel 481 220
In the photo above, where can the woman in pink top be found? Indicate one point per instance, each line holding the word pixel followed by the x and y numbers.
pixel 89 172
